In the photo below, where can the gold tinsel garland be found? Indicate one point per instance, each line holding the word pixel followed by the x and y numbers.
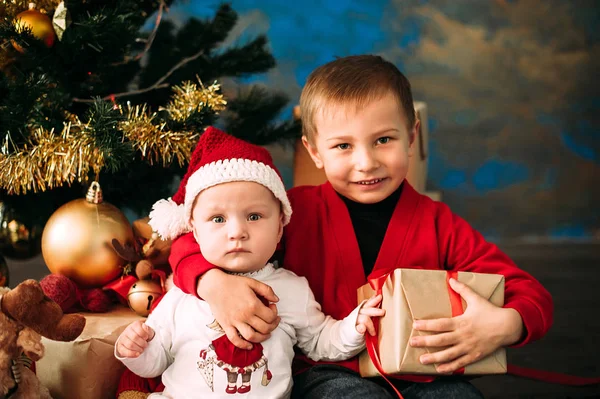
pixel 190 96
pixel 155 143
pixel 51 160
pixel 163 146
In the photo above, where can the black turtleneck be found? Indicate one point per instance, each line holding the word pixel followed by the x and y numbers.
pixel 370 222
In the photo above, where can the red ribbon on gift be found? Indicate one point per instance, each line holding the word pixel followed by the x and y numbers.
pixel 455 304
pixel 371 340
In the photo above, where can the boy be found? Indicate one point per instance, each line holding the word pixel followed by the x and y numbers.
pixel 359 125
pixel 235 204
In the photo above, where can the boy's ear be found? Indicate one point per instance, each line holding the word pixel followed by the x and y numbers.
pixel 312 151
pixel 412 137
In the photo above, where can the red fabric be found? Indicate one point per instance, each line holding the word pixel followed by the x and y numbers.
pixel 551 377
pixel 371 340
pixel 455 304
pixel 121 286
pixel 320 244
pixel 230 354
pixel 188 263
pixel 215 145
pixel 130 381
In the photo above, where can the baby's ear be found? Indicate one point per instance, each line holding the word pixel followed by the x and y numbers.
pixel 194 232
pixel 280 234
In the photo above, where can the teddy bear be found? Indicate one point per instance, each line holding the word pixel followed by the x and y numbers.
pixel 26 314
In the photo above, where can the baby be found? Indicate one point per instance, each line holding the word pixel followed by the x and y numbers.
pixel 234 201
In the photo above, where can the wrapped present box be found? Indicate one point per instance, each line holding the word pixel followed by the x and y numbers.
pixel 86 368
pixel 417 294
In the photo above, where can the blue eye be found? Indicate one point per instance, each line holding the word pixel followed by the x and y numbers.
pixel 383 140
pixel 343 146
pixel 254 217
pixel 218 219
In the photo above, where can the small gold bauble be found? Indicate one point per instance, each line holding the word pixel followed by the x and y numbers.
pixel 142 295
pixel 3 273
pixel 40 25
pixel 77 240
pixel 18 238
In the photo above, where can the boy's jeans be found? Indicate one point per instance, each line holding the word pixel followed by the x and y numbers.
pixel 330 381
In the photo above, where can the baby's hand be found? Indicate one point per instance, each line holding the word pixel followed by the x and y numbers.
pixel 134 339
pixel 368 310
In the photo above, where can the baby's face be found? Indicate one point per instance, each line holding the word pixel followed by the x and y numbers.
pixel 237 225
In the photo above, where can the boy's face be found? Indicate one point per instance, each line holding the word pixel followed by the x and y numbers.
pixel 364 153
pixel 237 225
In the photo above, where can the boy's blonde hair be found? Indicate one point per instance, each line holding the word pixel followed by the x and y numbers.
pixel 356 80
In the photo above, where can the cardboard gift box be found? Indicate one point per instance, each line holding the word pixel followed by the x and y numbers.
pixel 86 368
pixel 417 294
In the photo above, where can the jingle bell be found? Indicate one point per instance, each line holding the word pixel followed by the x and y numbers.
pixel 142 295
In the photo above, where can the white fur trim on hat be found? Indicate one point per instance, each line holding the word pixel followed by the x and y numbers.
pixel 235 169
pixel 168 219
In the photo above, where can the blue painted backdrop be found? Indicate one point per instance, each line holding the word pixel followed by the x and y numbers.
pixel 511 87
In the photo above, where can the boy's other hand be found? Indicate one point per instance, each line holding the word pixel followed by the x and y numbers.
pixel 134 339
pixel 368 310
pixel 479 331
pixel 235 303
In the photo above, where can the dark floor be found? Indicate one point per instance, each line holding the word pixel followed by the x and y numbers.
pixel 572 275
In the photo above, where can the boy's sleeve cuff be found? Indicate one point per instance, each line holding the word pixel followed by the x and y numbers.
pixel 189 272
pixel 533 324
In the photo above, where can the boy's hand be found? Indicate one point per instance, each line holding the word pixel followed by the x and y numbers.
pixel 235 303
pixel 368 310
pixel 481 330
pixel 134 339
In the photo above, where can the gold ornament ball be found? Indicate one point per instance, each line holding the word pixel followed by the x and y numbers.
pixel 142 295
pixel 40 25
pixel 77 241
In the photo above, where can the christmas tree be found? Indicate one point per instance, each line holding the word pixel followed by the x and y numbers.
pixel 86 93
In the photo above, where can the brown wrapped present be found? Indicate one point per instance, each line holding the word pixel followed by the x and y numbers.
pixel 417 294
pixel 87 367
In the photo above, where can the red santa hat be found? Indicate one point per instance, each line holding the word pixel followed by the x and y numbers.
pixel 218 158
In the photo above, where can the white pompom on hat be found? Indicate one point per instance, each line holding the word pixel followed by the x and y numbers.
pixel 218 158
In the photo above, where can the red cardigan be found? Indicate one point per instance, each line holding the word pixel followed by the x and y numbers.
pixel 320 244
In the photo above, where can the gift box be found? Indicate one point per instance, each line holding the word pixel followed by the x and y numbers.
pixel 417 294
pixel 86 367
